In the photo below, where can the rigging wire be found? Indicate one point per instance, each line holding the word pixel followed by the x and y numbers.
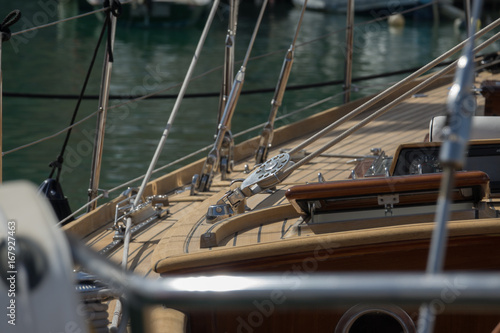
pixel 66 19
pixel 57 164
pixel 27 145
pixel 4 153
pixel 135 98
pixel 201 150
pixel 248 92
pixel 157 95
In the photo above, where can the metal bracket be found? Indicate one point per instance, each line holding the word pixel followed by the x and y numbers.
pixel 312 206
pixel 321 179
pixel 381 164
pixel 266 176
pixel 226 160
pixel 388 202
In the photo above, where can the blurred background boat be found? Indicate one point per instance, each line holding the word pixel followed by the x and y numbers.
pixel 175 13
pixel 384 7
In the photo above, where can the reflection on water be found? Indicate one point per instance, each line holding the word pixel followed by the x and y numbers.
pixel 55 60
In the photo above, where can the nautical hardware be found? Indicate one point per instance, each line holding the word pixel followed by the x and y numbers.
pixel 161 144
pixel 266 137
pixel 265 176
pixel 477 290
pixel 159 201
pixel 180 96
pixel 321 179
pixel 380 318
pixel 94 295
pixel 379 112
pixel 287 170
pixel 111 17
pixel 52 190
pixel 482 155
pixel 461 109
pixel 227 146
pixel 380 165
pixel 57 164
pixel 375 165
pixel 153 206
pixel 219 211
pixel 388 202
pixel 212 163
pixel 226 165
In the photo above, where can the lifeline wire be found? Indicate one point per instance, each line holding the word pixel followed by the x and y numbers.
pixel 65 20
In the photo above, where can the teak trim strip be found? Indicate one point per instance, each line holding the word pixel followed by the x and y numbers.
pixel 380 186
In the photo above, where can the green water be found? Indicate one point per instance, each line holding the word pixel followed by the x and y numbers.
pixel 54 60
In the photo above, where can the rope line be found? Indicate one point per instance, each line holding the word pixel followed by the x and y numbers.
pixel 80 122
pixel 199 151
pixel 57 164
pixel 64 20
pixel 157 95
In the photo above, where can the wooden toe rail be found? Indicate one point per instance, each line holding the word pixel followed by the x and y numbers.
pixel 371 192
pixel 227 227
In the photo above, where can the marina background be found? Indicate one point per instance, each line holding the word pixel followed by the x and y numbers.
pixel 55 60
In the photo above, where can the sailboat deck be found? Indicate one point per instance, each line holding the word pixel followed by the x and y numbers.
pixel 407 122
pixel 180 232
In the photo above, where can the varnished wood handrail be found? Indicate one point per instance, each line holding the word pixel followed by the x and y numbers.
pixel 383 186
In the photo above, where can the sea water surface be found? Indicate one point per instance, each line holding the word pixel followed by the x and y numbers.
pixel 55 60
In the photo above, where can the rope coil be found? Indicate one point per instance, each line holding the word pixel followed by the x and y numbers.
pixel 8 21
